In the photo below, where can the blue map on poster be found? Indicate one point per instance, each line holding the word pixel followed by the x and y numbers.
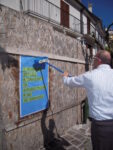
pixel 33 85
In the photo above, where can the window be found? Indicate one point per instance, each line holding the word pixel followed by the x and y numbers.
pixel 64 14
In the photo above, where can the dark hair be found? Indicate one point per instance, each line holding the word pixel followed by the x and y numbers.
pixel 104 56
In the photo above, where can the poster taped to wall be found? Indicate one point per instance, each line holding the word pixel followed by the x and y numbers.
pixel 33 86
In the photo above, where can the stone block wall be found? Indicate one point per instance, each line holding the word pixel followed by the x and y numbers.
pixel 21 31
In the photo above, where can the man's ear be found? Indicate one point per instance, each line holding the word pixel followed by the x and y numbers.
pixel 100 61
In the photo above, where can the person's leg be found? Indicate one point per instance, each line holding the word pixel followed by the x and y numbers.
pixel 105 137
pixel 93 136
pixel 102 135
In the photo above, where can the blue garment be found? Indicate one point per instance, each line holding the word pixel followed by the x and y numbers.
pixel 99 87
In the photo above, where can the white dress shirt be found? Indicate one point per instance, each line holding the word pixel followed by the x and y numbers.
pixel 99 87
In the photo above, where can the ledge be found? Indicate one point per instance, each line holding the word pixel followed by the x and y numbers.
pixel 29 52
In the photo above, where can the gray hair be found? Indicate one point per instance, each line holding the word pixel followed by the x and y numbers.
pixel 104 56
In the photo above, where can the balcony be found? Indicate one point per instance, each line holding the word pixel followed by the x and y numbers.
pixel 52 13
pixel 93 36
pixel 96 35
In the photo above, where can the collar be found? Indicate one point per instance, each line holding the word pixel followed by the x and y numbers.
pixel 105 66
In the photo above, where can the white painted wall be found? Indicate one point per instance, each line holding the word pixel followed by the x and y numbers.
pixel 85 24
pixel 38 6
pixel 95 49
pixel 97 34
pixel 75 12
pixel 14 4
pixel 49 9
pixel 92 28
pixel 25 4
pixel 41 7
pixel 74 19
pixel 55 2
pixel 54 12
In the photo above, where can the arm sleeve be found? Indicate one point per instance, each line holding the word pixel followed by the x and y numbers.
pixel 77 81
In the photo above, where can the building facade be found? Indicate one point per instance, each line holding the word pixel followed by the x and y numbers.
pixel 72 15
pixel 69 35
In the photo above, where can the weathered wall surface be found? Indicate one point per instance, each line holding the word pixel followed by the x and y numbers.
pixel 24 32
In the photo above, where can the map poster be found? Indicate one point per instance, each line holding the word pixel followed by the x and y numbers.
pixel 33 85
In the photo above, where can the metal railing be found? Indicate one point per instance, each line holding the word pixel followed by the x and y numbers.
pixel 50 12
pixel 92 30
pixel 75 24
pixel 94 33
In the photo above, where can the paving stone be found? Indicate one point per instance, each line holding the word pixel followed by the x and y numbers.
pixel 76 142
pixel 82 131
pixel 71 132
pixel 81 136
pixel 72 148
pixel 58 144
pixel 78 136
pixel 72 140
pixel 68 137
pixel 82 146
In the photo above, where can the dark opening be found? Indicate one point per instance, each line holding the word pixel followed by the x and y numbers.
pixel 64 14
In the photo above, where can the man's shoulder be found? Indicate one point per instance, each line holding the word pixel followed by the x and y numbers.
pixel 88 73
pixel 91 73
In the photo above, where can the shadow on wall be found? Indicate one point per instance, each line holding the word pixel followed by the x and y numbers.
pixel 84 103
pixel 7 61
pixel 86 57
pixel 50 140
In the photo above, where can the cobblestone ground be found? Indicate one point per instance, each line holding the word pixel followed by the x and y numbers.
pixel 76 138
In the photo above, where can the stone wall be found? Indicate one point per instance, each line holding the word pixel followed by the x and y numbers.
pixel 20 31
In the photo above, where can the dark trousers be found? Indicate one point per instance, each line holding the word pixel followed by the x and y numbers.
pixel 102 134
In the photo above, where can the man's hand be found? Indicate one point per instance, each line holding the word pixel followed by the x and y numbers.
pixel 66 74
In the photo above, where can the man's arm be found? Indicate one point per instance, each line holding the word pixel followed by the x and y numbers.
pixel 76 81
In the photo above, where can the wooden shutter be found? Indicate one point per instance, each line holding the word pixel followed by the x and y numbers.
pixel 64 14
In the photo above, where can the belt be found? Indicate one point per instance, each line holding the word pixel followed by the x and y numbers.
pixel 102 122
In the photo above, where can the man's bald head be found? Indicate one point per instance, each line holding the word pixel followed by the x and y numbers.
pixel 104 56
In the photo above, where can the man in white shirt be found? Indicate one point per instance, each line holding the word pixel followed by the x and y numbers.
pixel 99 88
